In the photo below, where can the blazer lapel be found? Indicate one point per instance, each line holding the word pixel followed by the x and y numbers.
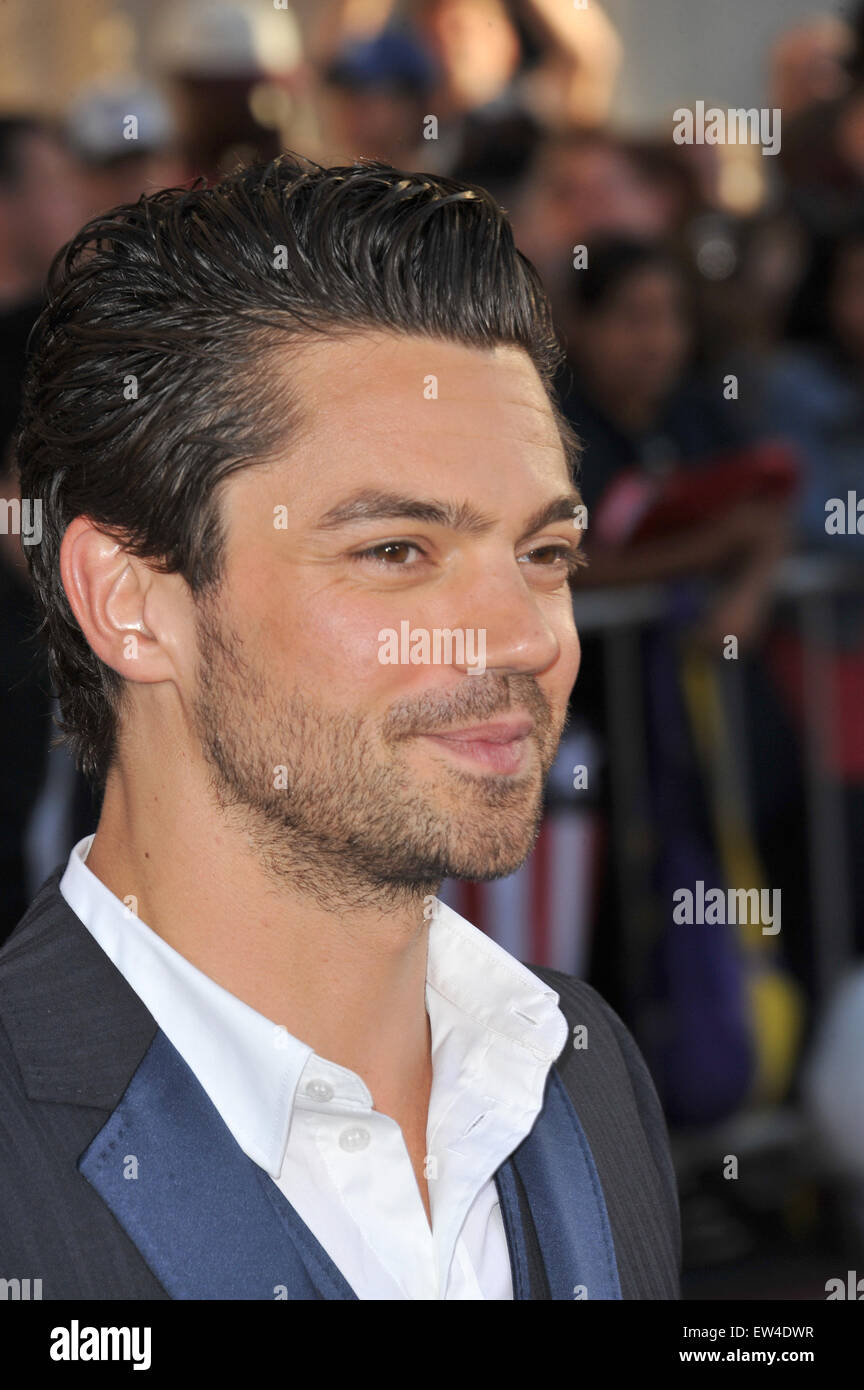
pixel 208 1221
pixel 566 1203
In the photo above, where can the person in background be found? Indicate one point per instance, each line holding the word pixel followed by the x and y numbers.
pixel 582 184
pixel 41 204
pixel 817 79
pixel 814 395
pixel 375 96
pixel 236 76
pixel 632 395
pixel 125 140
pixel 814 398
pixel 635 404
pixel 809 64
pixel 477 50
pixel 557 63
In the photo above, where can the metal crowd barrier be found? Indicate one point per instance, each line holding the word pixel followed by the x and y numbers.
pixel 809 585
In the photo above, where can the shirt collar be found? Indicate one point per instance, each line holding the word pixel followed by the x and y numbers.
pixel 495 1026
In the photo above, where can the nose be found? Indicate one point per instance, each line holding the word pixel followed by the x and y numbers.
pixel 511 630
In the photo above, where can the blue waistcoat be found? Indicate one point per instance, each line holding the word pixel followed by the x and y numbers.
pixel 212 1224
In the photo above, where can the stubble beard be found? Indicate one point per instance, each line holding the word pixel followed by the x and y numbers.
pixel 331 804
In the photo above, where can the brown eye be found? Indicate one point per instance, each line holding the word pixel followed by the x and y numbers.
pixel 561 562
pixel 393 550
pixel 390 554
pixel 554 554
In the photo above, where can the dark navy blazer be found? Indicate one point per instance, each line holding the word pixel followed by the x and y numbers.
pixel 92 1092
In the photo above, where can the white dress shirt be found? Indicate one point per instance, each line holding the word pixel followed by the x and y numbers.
pixel 495 1028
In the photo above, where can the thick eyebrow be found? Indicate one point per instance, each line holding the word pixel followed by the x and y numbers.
pixel 370 505
pixel 559 509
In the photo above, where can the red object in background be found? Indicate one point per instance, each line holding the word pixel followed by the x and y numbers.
pixel 638 506
pixel 845 751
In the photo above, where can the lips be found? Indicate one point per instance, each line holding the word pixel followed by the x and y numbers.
pixel 501 731
pixel 501 746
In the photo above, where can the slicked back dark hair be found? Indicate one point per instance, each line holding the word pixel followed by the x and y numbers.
pixel 148 384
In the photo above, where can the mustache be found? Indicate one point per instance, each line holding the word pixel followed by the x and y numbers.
pixel 476 700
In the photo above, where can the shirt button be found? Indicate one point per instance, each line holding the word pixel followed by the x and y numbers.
pixel 354 1138
pixel 319 1090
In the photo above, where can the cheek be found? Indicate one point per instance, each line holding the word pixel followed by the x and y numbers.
pixel 328 643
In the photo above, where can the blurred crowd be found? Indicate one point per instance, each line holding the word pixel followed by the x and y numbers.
pixel 710 299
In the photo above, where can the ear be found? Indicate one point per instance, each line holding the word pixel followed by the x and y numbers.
pixel 108 590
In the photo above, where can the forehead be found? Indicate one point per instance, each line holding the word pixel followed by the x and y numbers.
pixel 405 416
pixel 416 392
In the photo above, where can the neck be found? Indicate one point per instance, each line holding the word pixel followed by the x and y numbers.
pixel 346 977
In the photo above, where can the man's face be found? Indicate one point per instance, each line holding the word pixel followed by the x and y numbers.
pixel 347 769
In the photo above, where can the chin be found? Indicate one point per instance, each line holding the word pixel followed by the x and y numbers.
pixel 487 873
pixel 499 862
